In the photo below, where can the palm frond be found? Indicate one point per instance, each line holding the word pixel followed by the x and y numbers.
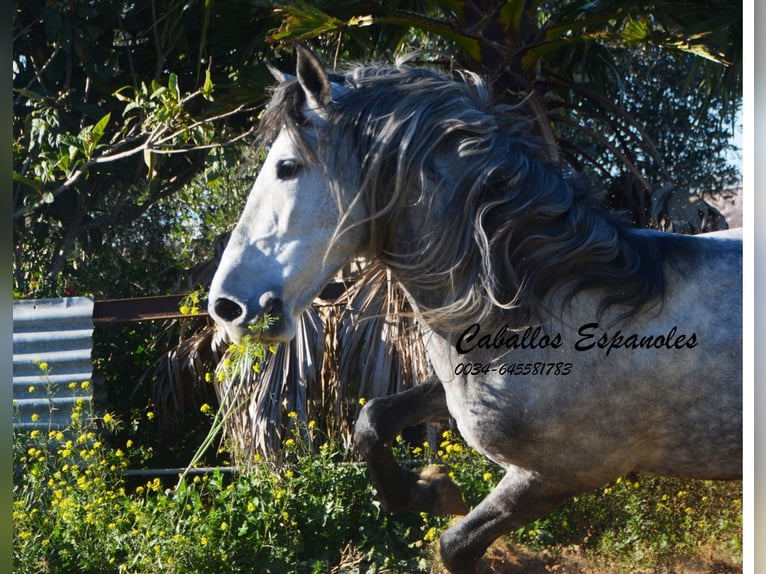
pixel 381 347
pixel 285 383
pixel 177 380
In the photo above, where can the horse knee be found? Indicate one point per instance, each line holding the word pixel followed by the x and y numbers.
pixel 367 436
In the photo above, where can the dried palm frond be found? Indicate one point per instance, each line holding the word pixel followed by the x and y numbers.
pixel 177 380
pixel 380 341
pixel 285 383
pixel 365 344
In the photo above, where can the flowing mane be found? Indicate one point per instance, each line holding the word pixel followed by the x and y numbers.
pixel 425 139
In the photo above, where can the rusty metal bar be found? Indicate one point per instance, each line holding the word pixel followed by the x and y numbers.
pixel 166 307
pixel 140 309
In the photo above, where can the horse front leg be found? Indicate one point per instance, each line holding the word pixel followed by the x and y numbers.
pixel 399 489
pixel 519 498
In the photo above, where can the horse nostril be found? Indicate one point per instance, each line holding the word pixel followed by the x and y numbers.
pixel 227 309
pixel 273 308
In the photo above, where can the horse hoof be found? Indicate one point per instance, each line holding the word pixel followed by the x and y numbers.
pixel 443 495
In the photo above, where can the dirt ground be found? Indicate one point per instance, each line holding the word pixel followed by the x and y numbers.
pixel 504 558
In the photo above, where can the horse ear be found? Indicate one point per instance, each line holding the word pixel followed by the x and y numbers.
pixel 312 77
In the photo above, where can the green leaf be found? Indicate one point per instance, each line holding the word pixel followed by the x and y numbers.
pixel 635 31
pixel 120 96
pixel 207 88
pixel 511 15
pixel 130 107
pixel 89 136
pixel 173 86
pixel 148 161
pixel 100 127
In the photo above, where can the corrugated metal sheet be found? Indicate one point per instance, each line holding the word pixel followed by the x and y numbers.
pixel 58 332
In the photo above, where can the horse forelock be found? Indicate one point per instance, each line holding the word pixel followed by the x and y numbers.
pixel 511 228
pixel 285 112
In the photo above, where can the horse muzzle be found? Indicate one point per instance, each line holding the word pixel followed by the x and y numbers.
pixel 245 318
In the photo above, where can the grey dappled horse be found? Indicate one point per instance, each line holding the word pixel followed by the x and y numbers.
pixel 569 349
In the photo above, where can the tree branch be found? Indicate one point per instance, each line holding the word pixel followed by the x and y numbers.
pixel 153 139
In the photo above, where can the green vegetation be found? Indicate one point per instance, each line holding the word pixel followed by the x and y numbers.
pixel 312 510
pixel 643 521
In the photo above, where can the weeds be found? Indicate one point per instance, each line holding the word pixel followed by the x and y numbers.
pixel 74 511
pixel 312 510
pixel 640 521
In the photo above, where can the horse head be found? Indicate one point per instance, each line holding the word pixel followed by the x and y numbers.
pixel 287 246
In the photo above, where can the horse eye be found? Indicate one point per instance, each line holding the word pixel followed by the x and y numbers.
pixel 287 168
